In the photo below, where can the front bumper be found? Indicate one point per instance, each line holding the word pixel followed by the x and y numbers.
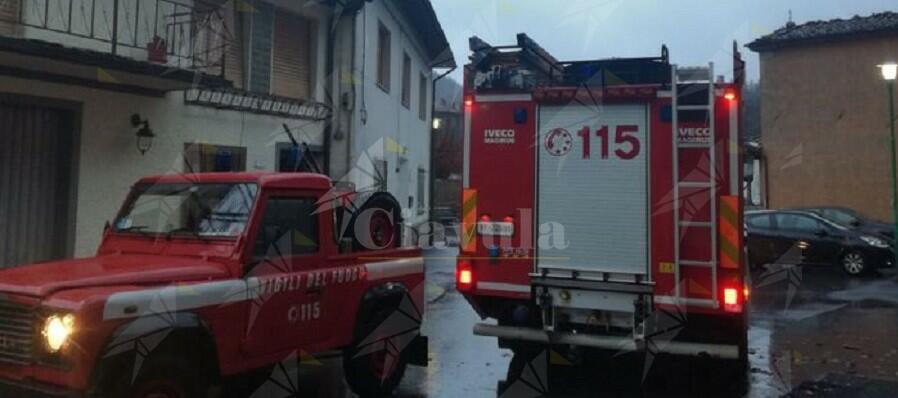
pixel 9 388
pixel 880 258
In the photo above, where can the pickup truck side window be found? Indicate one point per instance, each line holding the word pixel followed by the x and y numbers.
pixel 288 228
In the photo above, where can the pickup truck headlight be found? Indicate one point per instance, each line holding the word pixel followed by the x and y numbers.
pixel 874 241
pixel 57 330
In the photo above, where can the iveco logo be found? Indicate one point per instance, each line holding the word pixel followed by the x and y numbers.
pixel 695 134
pixel 498 136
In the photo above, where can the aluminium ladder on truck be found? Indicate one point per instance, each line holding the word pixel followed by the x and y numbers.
pixel 695 76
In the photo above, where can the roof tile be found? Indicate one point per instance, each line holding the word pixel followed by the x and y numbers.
pixel 816 31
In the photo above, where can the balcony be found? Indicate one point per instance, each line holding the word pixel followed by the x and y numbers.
pixel 143 46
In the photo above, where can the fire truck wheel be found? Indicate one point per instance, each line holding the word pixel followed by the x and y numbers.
pixel 524 355
pixel 739 365
pixel 168 376
pixel 373 372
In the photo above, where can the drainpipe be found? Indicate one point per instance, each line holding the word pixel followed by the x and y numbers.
pixel 114 26
pixel 328 92
pixel 354 100
pixel 432 172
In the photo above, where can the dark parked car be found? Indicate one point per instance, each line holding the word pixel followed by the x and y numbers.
pixel 803 237
pixel 854 220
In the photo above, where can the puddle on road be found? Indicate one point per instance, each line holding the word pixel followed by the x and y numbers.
pixel 858 339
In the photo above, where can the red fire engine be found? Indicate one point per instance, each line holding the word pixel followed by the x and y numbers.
pixel 601 196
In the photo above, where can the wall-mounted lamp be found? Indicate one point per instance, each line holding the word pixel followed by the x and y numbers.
pixel 144 133
pixel 437 123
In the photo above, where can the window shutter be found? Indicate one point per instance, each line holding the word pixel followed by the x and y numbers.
pixel 9 12
pixel 234 58
pixel 422 97
pixel 291 70
pixel 383 57
pixel 406 80
pixel 262 29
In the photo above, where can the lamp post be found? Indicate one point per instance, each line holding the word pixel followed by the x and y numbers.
pixel 889 72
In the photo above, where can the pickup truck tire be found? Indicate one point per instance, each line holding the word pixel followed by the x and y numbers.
pixel 371 374
pixel 168 376
pixel 377 224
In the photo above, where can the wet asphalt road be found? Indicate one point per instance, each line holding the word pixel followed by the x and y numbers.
pixel 814 333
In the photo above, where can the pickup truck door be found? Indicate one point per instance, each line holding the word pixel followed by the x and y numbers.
pixel 285 277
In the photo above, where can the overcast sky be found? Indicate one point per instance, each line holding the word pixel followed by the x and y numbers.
pixel 695 31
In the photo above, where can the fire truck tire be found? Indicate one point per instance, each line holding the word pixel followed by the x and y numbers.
pixel 373 374
pixel 739 365
pixel 524 355
pixel 169 376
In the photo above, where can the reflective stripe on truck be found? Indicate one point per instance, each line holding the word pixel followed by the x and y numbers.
pixel 469 220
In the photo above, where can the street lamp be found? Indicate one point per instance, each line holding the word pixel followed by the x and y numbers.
pixel 889 73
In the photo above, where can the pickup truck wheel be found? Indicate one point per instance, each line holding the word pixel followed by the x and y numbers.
pixel 169 377
pixel 381 230
pixel 373 374
pixel 376 225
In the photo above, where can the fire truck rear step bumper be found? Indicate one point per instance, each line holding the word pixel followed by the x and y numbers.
pixel 722 351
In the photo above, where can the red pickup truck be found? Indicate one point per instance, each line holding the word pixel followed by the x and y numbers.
pixel 203 278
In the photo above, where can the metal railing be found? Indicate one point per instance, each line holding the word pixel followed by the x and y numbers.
pixel 183 34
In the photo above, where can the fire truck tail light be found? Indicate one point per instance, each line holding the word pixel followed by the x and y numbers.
pixel 731 301
pixel 464 276
pixel 485 218
pixel 508 219
pixel 469 102
pixel 730 96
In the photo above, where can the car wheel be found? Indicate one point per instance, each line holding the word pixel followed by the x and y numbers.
pixel 853 263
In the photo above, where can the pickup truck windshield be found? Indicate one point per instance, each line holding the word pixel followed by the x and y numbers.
pixel 215 210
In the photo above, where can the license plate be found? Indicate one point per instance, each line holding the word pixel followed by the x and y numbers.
pixel 495 228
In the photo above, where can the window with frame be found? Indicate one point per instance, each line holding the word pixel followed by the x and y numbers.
pixel 289 227
pixel 292 159
pixel 381 172
pixel 422 97
pixel 383 57
pixel 291 69
pixel 760 221
pixel 422 191
pixel 278 52
pixel 796 222
pixel 205 158
pixel 406 80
